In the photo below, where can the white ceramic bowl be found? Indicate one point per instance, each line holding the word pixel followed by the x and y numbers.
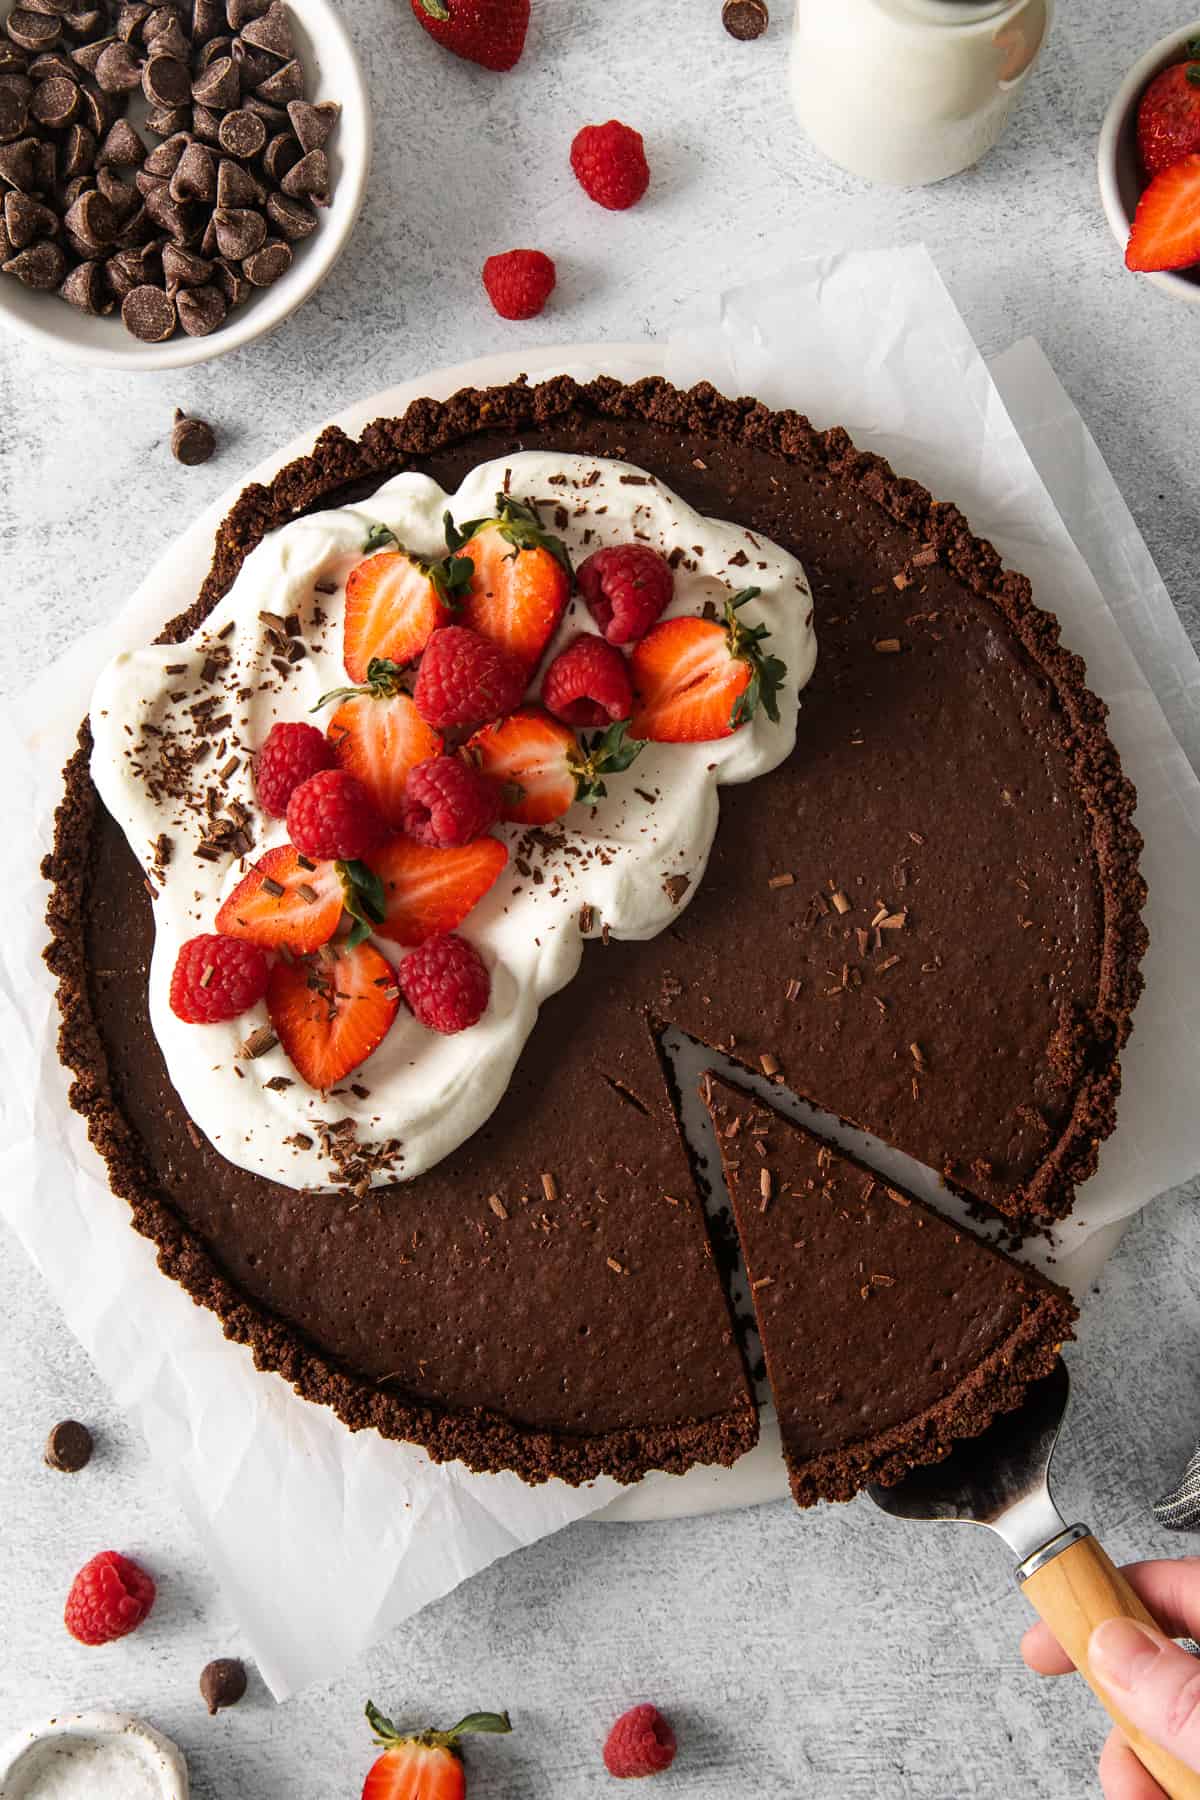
pixel 332 72
pixel 79 1753
pixel 1118 167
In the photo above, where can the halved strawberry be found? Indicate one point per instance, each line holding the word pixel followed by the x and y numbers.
pixel 286 899
pixel 543 767
pixel 698 679
pixel 378 735
pixel 422 1765
pixel 330 1011
pixel 394 603
pixel 1166 226
pixel 520 579
pixel 426 890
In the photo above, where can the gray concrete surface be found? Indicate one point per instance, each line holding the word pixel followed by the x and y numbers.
pixel 837 1654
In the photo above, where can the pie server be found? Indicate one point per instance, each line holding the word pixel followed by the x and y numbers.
pixel 1001 1479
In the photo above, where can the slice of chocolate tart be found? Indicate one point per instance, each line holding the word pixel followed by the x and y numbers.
pixel 888 1331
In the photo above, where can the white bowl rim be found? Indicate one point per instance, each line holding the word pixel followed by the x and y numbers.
pixel 161 1756
pixel 1126 97
pixel 274 304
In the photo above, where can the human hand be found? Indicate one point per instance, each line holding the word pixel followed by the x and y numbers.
pixel 1154 1683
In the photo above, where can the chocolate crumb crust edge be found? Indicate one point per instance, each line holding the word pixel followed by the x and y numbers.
pixel 1088 1049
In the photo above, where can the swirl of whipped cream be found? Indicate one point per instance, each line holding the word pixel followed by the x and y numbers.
pixel 419 1095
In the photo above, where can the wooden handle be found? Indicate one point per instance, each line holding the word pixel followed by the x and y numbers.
pixel 1073 1593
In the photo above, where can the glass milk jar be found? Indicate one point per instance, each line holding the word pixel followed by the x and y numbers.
pixel 910 91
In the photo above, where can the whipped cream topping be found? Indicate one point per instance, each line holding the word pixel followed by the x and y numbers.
pixel 175 728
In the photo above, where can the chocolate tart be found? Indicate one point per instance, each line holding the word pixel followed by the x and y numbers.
pixel 887 1331
pixel 927 919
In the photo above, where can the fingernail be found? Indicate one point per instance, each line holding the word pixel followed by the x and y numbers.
pixel 1121 1652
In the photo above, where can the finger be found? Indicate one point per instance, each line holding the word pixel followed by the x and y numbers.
pixel 1155 1684
pixel 1121 1774
pixel 1171 1590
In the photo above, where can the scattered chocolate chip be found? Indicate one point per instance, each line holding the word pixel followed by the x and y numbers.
pixel 292 219
pixel 205 122
pixel 69 1447
pixel 169 41
pixel 208 19
pixel 268 264
pixel 273 117
pixel 42 266
pixel 240 12
pixel 166 81
pixel 149 313
pixel 745 19
pixel 271 31
pixel 222 1683
pixel 192 440
pixel 195 176
pixel 178 221
pixel 240 232
pixel 166 121
pixel 122 148
pixel 33 31
pixel 118 71
pixel 131 18
pixel 84 287
pixel 241 133
pixel 87 56
pixel 55 102
pixel 16 164
pixel 201 309
pixel 309 180
pixel 311 123
pixel 132 268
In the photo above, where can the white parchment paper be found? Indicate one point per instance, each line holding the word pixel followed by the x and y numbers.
pixel 278 1490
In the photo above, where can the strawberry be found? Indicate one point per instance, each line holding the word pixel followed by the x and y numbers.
pixel 286 899
pixel 698 679
pixel 423 1765
pixel 520 578
pixel 427 890
pixel 488 32
pixel 330 1011
pixel 1168 121
pixel 1166 226
pixel 543 767
pixel 378 735
pixel 394 603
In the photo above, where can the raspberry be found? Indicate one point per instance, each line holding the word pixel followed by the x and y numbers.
pixel 289 756
pixel 640 1743
pixel 446 983
pixel 466 679
pixel 626 587
pixel 519 282
pixel 448 802
pixel 217 978
pixel 610 164
pixel 331 816
pixel 109 1597
pixel 588 683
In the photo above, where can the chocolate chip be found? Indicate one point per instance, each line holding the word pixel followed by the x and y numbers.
pixel 118 70
pixel 138 229
pixel 179 221
pixel 201 309
pixel 292 219
pixel 99 112
pixel 78 184
pixel 285 84
pixel 253 66
pixel 15 81
pixel 232 282
pixel 309 180
pixel 241 134
pixel 84 288
pixel 237 186
pixel 280 155
pixel 55 102
pixel 183 268
pixel 169 41
pixel 240 12
pixel 218 87
pixel 149 314
pixel 193 441
pixel 120 196
pixel 45 165
pixel 240 232
pixel 87 56
pixel 85 23
pixel 14 115
pixel 313 124
pixel 195 176
pixel 78 152
pixel 222 1683
pixel 122 148
pixel 69 1447
pixel 166 121
pixel 166 81
pixel 267 265
pixel 164 159
pixel 92 220
pixel 213 50
pixel 26 219
pixel 33 31
pixel 129 269
pixel 50 63
pixel 131 18
pixel 205 123
pixel 271 32
pixel 16 163
pixel 745 19
pixel 42 266
pixel 57 9
pixel 208 243
pixel 12 60
pixel 273 117
pixel 208 20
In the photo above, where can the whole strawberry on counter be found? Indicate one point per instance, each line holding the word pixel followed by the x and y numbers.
pixel 488 32
pixel 423 1765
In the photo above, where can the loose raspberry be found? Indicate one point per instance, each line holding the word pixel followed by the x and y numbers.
pixel 610 164
pixel 448 802
pixel 217 978
pixel 466 679
pixel 588 683
pixel 519 282
pixel 109 1598
pixel 446 983
pixel 626 588
pixel 332 817
pixel 289 756
pixel 640 1743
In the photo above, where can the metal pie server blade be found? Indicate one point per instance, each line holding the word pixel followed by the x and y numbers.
pixel 1001 1479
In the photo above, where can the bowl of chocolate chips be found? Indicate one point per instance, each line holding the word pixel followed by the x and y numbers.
pixel 175 178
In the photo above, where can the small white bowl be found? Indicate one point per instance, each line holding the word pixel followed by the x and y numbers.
pixel 332 72
pixel 81 1753
pixel 1118 167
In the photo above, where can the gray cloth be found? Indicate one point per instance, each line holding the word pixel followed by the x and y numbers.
pixel 1180 1509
